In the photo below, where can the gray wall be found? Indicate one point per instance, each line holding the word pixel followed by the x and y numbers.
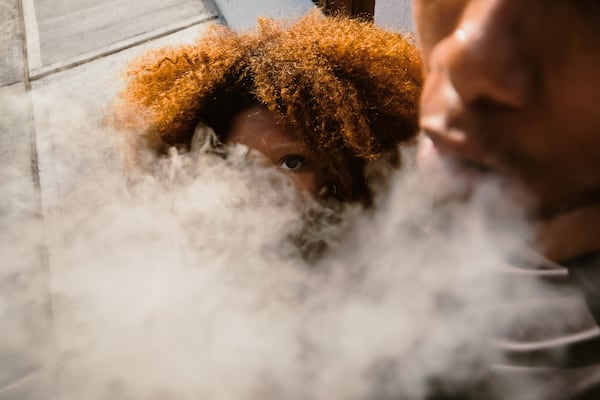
pixel 241 15
pixel 394 14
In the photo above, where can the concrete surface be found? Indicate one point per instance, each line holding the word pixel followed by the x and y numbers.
pixel 66 34
pixel 24 300
pixel 394 14
pixel 76 50
pixel 11 44
pixel 242 15
pixel 60 64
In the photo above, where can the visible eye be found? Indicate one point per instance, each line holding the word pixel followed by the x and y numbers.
pixel 292 162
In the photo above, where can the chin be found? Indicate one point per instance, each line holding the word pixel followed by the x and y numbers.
pixel 447 177
pixel 452 180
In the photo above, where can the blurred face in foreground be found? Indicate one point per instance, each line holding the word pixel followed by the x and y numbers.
pixel 258 129
pixel 512 92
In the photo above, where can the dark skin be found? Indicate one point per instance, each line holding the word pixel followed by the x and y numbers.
pixel 512 92
pixel 260 130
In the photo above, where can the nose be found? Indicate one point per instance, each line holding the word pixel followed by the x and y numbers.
pixel 485 57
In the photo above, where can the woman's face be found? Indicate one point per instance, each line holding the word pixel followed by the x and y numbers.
pixel 257 128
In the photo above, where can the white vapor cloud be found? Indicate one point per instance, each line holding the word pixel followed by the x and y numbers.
pixel 191 283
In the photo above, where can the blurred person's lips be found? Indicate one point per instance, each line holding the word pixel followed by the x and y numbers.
pixel 455 143
pixel 458 137
pixel 451 163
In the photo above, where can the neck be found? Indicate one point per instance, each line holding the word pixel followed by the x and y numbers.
pixel 571 234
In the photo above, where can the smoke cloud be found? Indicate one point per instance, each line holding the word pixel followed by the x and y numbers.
pixel 194 282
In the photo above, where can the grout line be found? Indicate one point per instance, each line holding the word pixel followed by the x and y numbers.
pixel 44 72
pixel 32 34
pixel 16 383
pixel 27 19
pixel 24 55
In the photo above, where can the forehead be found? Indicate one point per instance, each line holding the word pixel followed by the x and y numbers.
pixel 259 129
pixel 569 16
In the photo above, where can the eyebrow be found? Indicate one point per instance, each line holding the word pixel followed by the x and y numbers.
pixel 286 147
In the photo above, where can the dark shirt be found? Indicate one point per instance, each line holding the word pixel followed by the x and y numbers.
pixel 552 349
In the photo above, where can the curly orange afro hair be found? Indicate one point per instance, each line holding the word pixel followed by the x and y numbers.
pixel 348 89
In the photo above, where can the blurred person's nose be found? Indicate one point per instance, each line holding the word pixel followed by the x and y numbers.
pixel 485 57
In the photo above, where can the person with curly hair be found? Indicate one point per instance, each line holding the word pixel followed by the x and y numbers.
pixel 322 98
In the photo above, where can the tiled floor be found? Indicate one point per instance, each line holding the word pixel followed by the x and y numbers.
pixel 75 50
pixel 11 45
pixel 71 34
pixel 60 62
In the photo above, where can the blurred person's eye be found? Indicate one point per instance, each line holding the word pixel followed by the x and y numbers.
pixel 292 162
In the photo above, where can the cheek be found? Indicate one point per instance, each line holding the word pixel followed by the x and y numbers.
pixel 306 181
